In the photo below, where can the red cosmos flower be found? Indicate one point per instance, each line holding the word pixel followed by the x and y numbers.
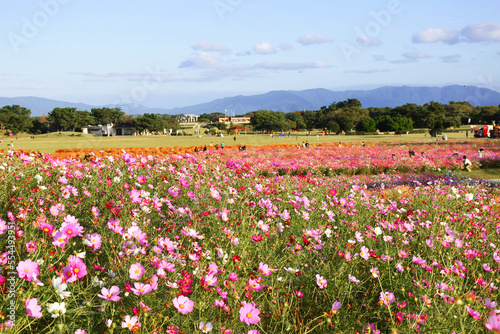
pixel 236 258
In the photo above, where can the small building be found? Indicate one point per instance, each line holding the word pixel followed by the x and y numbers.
pixel 98 130
pixel 239 120
pixel 125 128
pixel 187 118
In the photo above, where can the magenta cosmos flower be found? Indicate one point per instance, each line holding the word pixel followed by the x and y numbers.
pixel 136 271
pixel 111 294
pixel 33 308
pixel 183 304
pixel 27 269
pixel 249 314
pixel 75 270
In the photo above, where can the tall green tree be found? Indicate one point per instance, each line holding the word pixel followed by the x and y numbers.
pixel 270 120
pixel 151 122
pixel 298 120
pixel 82 118
pixel 62 118
pixel 15 118
pixel 107 115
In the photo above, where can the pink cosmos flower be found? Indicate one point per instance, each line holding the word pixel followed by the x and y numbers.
pixel 111 294
pixel 131 323
pixel 33 308
pixel 136 271
pixel 54 210
pixel 80 331
pixel 321 281
pixel 135 196
pixel 487 267
pixel 210 280
pixel 213 268
pixel 27 270
pixel 205 328
pixel 47 228
pixel 475 314
pixel 488 303
pixel 249 314
pixel 94 240
pixel 375 272
pixel 493 323
pixel 233 276
pixel 299 293
pixel 336 306
pixel 141 289
pixel 3 226
pixel 353 279
pixel 496 257
pixel 365 253
pixel 264 269
pixel 76 269
pixel 72 229
pixel 387 298
pixel 31 246
pixel 183 304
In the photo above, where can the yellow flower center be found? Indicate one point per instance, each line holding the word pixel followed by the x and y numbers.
pixel 181 305
pixel 76 270
pixel 249 315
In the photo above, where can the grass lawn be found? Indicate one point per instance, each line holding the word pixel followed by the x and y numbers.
pixel 485 174
pixel 49 143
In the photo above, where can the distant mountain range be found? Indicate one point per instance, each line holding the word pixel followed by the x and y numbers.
pixel 288 101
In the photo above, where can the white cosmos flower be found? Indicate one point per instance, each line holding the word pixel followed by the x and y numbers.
pixel 56 309
pixel 60 287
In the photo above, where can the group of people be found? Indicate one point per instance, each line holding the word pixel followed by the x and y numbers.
pixel 242 147
pixel 304 144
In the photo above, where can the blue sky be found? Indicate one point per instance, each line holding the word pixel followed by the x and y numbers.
pixel 169 54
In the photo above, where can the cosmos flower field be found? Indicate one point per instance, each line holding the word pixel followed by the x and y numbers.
pixel 323 239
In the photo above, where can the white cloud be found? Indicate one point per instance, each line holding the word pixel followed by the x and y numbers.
pixel 313 39
pixel 202 59
pixel 474 33
pixel 483 32
pixel 378 57
pixel 451 58
pixel 433 35
pixel 264 48
pixel 291 65
pixel 410 57
pixel 367 41
pixel 415 55
pixel 204 46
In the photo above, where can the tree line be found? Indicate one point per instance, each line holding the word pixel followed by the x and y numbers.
pixel 342 116
pixel 349 115
pixel 16 119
